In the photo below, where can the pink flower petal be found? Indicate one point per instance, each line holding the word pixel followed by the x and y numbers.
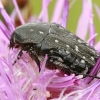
pixel 4 30
pixel 94 71
pixel 7 18
pixel 44 13
pixel 92 30
pixel 65 13
pixel 97 46
pixel 18 12
pixel 3 43
pixel 57 13
pixel 84 19
pixel 91 38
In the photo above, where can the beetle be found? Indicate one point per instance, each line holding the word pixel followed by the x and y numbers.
pixel 66 51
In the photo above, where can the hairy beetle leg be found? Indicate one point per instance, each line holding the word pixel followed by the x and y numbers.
pixel 18 56
pixel 37 62
pixel 34 56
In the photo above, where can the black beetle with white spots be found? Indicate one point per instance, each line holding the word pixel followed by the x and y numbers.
pixel 66 51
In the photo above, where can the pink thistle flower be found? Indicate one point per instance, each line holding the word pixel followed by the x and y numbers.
pixel 23 81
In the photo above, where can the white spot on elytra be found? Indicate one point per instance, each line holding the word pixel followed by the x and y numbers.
pixel 29 39
pixel 67 46
pixel 61 28
pixel 56 41
pixel 67 52
pixel 87 44
pixel 56 62
pixel 79 41
pixel 82 61
pixel 30 48
pixel 83 57
pixel 51 51
pixel 76 48
pixel 31 30
pixel 71 34
pixel 51 60
pixel 50 30
pixel 93 51
pixel 60 59
pixel 92 58
pixel 22 30
pixel 14 40
pixel 41 32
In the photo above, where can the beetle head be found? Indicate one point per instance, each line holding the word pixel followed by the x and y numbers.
pixel 13 41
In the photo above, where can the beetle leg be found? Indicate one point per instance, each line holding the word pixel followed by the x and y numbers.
pixel 37 61
pixel 34 56
pixel 18 56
